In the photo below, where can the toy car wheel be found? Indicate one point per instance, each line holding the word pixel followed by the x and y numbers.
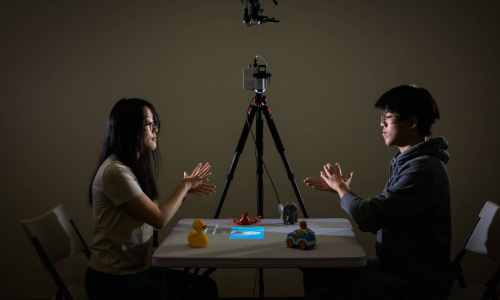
pixel 289 243
pixel 302 245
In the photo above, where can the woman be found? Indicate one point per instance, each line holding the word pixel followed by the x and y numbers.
pixel 123 195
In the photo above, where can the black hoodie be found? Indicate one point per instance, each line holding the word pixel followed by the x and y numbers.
pixel 412 217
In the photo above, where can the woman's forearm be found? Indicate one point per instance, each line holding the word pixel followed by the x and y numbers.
pixel 172 204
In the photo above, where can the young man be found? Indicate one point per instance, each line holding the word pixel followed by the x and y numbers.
pixel 411 217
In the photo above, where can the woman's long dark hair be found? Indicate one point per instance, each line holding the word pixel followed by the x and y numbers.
pixel 124 138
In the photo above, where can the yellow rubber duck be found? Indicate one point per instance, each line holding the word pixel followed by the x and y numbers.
pixel 198 239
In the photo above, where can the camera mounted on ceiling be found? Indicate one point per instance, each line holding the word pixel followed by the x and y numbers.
pixel 252 13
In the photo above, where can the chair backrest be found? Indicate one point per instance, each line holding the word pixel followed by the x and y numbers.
pixel 55 236
pixel 485 237
pixel 56 233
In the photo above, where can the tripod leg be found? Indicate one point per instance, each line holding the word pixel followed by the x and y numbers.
pixel 260 152
pixel 281 150
pixel 239 150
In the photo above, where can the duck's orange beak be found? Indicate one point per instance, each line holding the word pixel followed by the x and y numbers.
pixel 204 227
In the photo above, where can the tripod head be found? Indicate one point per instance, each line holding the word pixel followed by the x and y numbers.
pixel 259 99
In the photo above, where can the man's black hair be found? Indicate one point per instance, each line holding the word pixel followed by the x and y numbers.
pixel 410 100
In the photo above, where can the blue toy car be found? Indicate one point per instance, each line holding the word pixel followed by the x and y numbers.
pixel 305 240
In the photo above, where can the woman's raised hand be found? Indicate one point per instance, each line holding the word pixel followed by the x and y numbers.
pixel 197 179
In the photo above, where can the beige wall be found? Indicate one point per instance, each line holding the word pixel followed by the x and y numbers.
pixel 63 64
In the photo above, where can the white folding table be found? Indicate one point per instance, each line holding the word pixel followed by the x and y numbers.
pixel 336 246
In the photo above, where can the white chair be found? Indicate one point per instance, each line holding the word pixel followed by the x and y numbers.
pixel 484 238
pixel 55 237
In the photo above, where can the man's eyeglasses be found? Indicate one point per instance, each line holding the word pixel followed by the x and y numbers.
pixel 385 119
pixel 152 125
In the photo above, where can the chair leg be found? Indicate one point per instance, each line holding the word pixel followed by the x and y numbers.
pixel 494 294
pixel 59 295
pixel 461 278
pixel 491 292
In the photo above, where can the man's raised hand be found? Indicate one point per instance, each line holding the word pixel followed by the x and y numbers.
pixel 318 184
pixel 334 179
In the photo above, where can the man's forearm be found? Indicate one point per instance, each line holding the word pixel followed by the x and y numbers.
pixel 342 190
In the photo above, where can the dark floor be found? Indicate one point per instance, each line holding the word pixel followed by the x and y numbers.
pixel 267 298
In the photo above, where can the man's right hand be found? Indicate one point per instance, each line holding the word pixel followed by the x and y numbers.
pixel 319 184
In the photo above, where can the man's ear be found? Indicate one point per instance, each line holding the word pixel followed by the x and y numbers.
pixel 413 122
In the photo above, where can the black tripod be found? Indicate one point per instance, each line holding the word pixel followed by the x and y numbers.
pixel 260 109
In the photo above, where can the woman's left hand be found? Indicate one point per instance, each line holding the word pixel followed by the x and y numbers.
pixel 201 188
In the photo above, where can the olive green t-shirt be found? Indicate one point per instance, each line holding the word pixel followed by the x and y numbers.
pixel 122 243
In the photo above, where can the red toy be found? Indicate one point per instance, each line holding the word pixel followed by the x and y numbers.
pixel 303 226
pixel 245 220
